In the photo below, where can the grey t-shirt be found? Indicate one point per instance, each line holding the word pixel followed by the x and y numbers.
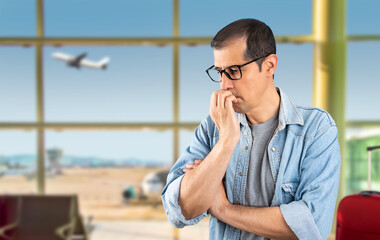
pixel 260 183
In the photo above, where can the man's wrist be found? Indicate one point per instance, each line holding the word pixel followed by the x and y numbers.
pixel 229 142
pixel 223 210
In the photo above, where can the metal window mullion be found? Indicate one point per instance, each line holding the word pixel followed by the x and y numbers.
pixel 175 90
pixel 115 41
pixel 40 102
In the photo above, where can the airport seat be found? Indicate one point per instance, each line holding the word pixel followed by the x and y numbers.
pixel 40 217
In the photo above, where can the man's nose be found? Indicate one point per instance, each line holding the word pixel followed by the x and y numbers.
pixel 226 83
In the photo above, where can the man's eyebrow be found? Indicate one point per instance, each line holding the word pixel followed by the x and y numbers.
pixel 219 68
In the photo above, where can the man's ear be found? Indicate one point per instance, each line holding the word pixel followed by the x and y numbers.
pixel 270 64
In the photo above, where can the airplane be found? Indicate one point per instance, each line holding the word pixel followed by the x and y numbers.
pixel 150 189
pixel 80 61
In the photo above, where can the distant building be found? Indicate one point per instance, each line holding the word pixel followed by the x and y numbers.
pixel 54 156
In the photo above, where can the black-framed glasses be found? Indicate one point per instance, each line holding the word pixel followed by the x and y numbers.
pixel 232 72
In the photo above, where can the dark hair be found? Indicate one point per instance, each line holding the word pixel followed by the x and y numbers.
pixel 259 38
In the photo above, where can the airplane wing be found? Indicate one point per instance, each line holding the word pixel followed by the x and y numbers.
pixel 80 57
pixel 63 56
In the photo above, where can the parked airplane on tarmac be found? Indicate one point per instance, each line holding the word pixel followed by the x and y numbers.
pixel 150 189
pixel 79 60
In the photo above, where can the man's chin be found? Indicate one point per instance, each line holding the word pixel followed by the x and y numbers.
pixel 237 109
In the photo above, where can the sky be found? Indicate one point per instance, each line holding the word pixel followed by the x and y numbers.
pixel 137 86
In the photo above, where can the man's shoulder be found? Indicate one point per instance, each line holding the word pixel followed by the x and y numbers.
pixel 316 120
pixel 208 126
pixel 315 114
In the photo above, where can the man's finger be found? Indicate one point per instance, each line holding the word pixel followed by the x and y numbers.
pixel 213 101
pixel 189 165
pixel 222 98
pixel 229 101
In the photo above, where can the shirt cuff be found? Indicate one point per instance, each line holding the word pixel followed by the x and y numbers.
pixel 173 210
pixel 299 218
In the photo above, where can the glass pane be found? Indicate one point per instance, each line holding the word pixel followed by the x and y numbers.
pixel 363 17
pixel 17 84
pixel 18 161
pixel 357 159
pixel 116 175
pixel 135 86
pixel 363 81
pixel 294 73
pixel 283 17
pixel 17 19
pixel 195 86
pixel 88 18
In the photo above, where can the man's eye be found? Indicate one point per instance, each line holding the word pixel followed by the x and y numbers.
pixel 233 70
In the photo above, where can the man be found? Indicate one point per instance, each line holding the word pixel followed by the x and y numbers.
pixel 263 167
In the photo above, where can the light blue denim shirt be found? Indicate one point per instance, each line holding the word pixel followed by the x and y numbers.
pixel 304 158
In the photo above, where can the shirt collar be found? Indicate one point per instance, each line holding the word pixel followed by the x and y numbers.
pixel 288 113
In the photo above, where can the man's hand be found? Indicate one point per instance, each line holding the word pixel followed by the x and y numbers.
pixel 223 115
pixel 191 166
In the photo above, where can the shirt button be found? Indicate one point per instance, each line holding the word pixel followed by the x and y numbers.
pixel 240 173
pixel 238 203
pixel 246 147
pixel 273 149
pixel 234 229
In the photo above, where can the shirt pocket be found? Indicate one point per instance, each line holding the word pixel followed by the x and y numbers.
pixel 289 189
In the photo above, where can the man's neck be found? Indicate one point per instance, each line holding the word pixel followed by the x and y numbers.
pixel 267 110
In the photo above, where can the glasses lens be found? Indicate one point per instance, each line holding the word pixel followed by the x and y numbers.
pixel 214 74
pixel 234 72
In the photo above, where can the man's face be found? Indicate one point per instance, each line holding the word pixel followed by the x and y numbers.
pixel 253 84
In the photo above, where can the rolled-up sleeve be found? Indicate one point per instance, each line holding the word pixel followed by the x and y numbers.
pixel 310 216
pixel 198 149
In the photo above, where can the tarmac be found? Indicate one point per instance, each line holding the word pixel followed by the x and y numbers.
pixel 147 230
pixel 151 230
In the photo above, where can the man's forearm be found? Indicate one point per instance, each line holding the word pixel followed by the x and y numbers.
pixel 266 221
pixel 199 186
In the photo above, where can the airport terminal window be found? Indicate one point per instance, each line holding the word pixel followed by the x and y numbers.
pixel 363 77
pixel 357 159
pixel 100 18
pixel 72 95
pixel 17 84
pixel 211 17
pixel 363 17
pixel 18 162
pixel 295 68
pixel 110 171
pixel 17 19
pixel 195 86
pixel 136 85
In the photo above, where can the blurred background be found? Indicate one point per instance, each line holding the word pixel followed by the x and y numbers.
pixel 110 134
